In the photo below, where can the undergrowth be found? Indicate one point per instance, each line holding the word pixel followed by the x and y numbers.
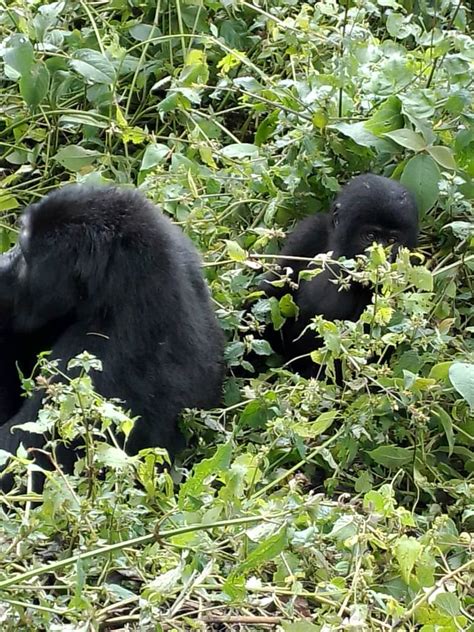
pixel 299 505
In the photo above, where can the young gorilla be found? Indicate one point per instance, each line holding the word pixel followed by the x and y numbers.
pixel 100 269
pixel 369 208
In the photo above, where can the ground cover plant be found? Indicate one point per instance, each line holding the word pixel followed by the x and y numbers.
pixel 299 505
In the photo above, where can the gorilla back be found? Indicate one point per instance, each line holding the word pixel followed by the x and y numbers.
pixel 102 270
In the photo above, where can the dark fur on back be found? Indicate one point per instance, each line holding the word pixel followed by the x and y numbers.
pixel 102 269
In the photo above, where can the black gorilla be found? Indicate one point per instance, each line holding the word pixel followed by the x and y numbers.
pixel 368 209
pixel 102 270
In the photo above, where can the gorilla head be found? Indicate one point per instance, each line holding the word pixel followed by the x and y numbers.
pixel 373 208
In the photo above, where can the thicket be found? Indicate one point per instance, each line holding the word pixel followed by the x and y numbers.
pixel 299 505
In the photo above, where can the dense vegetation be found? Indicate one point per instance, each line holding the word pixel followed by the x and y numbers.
pixel 299 506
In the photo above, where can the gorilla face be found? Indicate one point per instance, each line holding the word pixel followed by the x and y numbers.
pixel 36 286
pixel 373 209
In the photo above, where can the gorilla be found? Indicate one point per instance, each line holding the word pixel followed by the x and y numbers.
pixel 101 269
pixel 368 209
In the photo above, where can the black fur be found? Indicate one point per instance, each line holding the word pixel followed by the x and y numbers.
pixel 369 208
pixel 102 270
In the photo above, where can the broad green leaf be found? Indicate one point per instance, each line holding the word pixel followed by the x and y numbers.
pixel 313 429
pixel 440 371
pixel 235 251
pixel 407 138
pixel 392 456
pixel 421 177
pixel 93 66
pixel 421 278
pixel 240 150
pixel 443 156
pixel 34 84
pixel 448 603
pixel 18 54
pixel 82 118
pixel 288 307
pixel 461 375
pixel 75 158
pixel 407 552
pixel 386 118
pixel 266 551
pixel 154 155
pixel 261 347
pixel 358 133
pixel 8 202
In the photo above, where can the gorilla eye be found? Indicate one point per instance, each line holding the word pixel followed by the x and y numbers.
pixel 371 236
pixel 391 240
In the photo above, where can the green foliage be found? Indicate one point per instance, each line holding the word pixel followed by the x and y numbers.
pixel 300 504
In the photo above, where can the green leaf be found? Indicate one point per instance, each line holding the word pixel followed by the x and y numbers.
pixel 448 603
pixel 407 552
pixel 358 133
pixel 19 54
pixel 421 177
pixel 447 425
pixel 407 138
pixel 34 84
pixel 240 150
pixel 207 468
pixel 313 429
pixel 235 251
pixel 440 371
pixel 443 156
pixel 392 456
pixel 154 154
pixel 461 375
pixel 93 66
pixel 266 128
pixel 75 158
pixel 386 118
pixel 266 551
pixel 421 278
pixel 261 347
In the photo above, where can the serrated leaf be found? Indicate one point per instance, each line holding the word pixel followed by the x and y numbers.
pixel 421 278
pixel 407 138
pixel 261 347
pixel 93 66
pixel 461 375
pixel 443 156
pixel 421 176
pixel 392 456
